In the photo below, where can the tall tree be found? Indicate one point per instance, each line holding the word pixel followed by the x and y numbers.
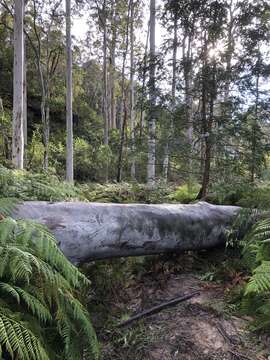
pixel 151 165
pixel 123 104
pixel 105 80
pixel 69 97
pixel 18 88
pixel 132 90
pixel 173 99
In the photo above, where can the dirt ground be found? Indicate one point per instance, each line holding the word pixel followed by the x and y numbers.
pixel 202 328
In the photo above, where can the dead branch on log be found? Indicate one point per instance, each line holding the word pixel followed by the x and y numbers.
pixel 158 308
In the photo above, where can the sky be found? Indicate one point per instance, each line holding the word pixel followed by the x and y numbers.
pixel 80 27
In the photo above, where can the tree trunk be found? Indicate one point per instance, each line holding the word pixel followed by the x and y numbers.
pixel 208 125
pixel 112 108
pixel 123 112
pixel 142 112
pixel 46 131
pixel 105 85
pixel 170 130
pixel 132 92
pixel 88 231
pixel 69 97
pixel 188 104
pixel 122 140
pixel 151 165
pixel 25 97
pixel 254 133
pixel 18 77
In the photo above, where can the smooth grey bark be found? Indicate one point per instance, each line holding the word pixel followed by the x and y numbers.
pixel 167 146
pixel 112 75
pixel 88 231
pixel 151 164
pixel 25 97
pixel 105 76
pixel 132 92
pixel 105 85
pixel 18 88
pixel 142 101
pixel 69 97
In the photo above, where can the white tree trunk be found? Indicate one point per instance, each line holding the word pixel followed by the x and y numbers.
pixel 132 92
pixel 87 231
pixel 25 97
pixel 69 97
pixel 166 160
pixel 105 78
pixel 151 165
pixel 18 76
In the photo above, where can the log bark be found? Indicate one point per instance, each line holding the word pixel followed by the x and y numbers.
pixel 90 231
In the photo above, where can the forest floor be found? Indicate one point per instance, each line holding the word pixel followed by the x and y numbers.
pixel 206 327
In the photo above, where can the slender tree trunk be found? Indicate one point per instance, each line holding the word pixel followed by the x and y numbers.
pixel 144 80
pixel 46 131
pixel 25 98
pixel 112 105
pixel 122 114
pixel 105 84
pixel 151 165
pixel 132 91
pixel 188 103
pixel 170 131
pixel 18 77
pixel 229 51
pixel 254 133
pixel 207 126
pixel 69 97
pixel 122 140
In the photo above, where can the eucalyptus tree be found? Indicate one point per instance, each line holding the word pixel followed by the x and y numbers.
pixel 18 87
pixel 151 163
pixel 132 91
pixel 171 14
pixel 69 96
pixel 123 98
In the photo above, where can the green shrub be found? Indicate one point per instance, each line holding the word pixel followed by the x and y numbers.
pixel 259 198
pixel 27 186
pixel 185 193
pixel 230 193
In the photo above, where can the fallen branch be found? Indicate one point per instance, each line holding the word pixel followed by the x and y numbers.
pixel 158 308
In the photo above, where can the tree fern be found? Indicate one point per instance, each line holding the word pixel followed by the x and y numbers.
pixel 39 291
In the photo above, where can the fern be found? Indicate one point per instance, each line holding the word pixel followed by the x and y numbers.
pixel 18 340
pixel 39 289
pixel 260 280
pixel 26 186
pixel 256 252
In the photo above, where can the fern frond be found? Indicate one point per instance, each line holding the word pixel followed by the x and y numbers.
pixel 260 280
pixel 7 205
pixel 44 285
pixel 19 341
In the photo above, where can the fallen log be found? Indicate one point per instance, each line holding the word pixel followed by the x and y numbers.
pixel 88 231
